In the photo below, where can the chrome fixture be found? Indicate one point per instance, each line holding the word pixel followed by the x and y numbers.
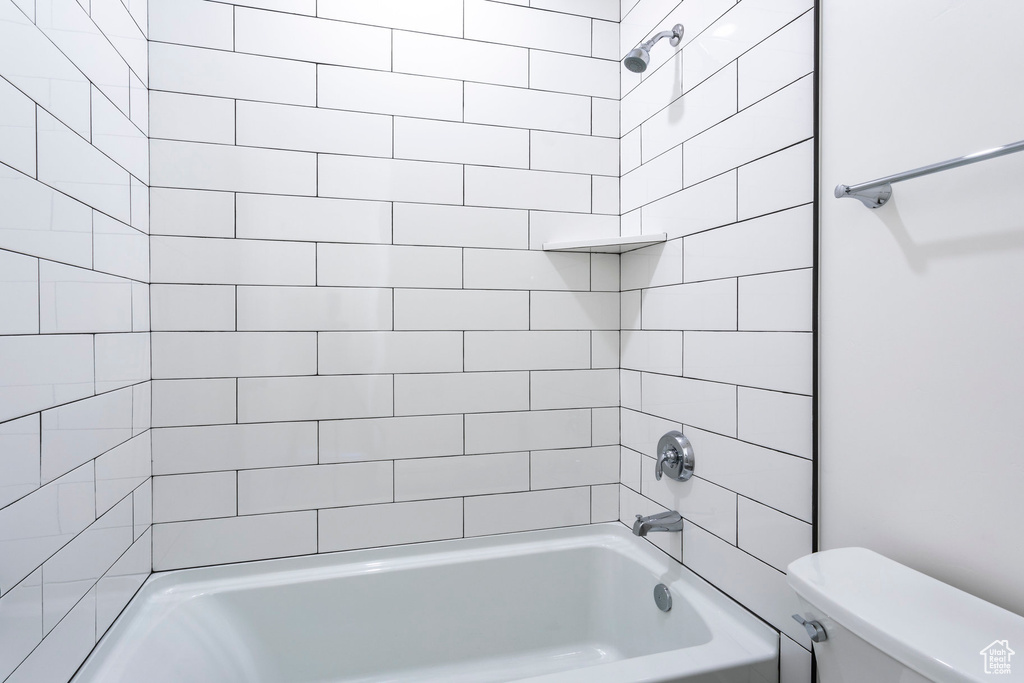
pixel 876 193
pixel 815 631
pixel 662 597
pixel 663 521
pixel 639 57
pixel 675 457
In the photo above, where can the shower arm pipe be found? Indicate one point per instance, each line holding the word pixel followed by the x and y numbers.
pixel 664 34
pixel 876 193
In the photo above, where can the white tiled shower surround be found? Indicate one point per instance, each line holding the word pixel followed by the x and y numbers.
pixel 356 340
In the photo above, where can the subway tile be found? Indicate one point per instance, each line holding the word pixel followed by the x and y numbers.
pixel 182 497
pixel 699 306
pixel 21 625
pixel 461 392
pixel 311 129
pixel 574 311
pixel 359 265
pixel 629 468
pixel 709 204
pixel 381 92
pixel 795 663
pixel 142 503
pixel 307 7
pixel 38 525
pixel 115 135
pixel 604 429
pixel 519 108
pixel 768 534
pixel 120 583
pixel 604 503
pixel 648 351
pixel 119 249
pixel 192 308
pixel 767 360
pixel 313 308
pixel 780 421
pixel 192 213
pixel 37 372
pixel 605 348
pixel 464 60
pixel 708 405
pixel 233 447
pixel 231 74
pixel 462 143
pixel 466 475
pixel 350 353
pixel 374 526
pixel 711 507
pixel 564 73
pixel 284 399
pixel 142 407
pixel 629 310
pixel 604 117
pixel 40 221
pixel 19 467
pixel 313 219
pixel 754 584
pixel 75 568
pixel 778 301
pixel 510 512
pixel 192 22
pixel 75 433
pixel 778 241
pixel 311 39
pixel 527 27
pixel 573 153
pixel 17 129
pixel 19 294
pixel 574 467
pixel 232 261
pixel 461 309
pixel 387 438
pixel 659 177
pixel 461 226
pixel 527 431
pixel 553 226
pixel 779 60
pixel 389 179
pixel 599 9
pixel 783 119
pixel 194 165
pixel 604 273
pixel 314 486
pixel 440 16
pixel 185 402
pixel 233 539
pixel 61 653
pixel 641 432
pixel 138 100
pixel 121 470
pixel 37 67
pixel 527 351
pixel 68 163
pixel 775 479
pixel 574 389
pixel 630 389
pixel 69 26
pixel 195 118
pixel 778 181
pixel 630 151
pixel 180 355
pixel 605 45
pixel 605 193
pixel 78 300
pixel 532 270
pixel 631 504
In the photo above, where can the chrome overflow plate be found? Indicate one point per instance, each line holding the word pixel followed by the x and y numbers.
pixel 662 597
pixel 675 457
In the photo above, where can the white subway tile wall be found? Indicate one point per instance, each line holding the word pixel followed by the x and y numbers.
pixel 717 150
pixel 75 401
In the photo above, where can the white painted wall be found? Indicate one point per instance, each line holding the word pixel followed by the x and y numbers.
pixel 921 367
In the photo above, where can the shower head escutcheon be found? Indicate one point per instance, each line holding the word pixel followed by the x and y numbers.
pixel 639 57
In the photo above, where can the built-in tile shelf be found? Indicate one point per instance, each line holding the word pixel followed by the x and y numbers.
pixel 608 245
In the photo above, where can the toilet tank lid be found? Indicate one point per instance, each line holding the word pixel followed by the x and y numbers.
pixel 929 626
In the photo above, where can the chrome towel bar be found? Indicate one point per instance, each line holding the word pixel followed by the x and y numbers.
pixel 875 193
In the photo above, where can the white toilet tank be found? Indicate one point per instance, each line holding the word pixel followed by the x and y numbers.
pixel 886 622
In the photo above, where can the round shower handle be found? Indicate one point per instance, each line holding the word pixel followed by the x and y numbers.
pixel 675 457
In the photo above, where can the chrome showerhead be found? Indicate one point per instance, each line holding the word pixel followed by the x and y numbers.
pixel 639 57
pixel 637 60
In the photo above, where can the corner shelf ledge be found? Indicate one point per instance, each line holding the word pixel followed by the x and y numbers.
pixel 608 245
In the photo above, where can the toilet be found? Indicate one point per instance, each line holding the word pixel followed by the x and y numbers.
pixel 874 620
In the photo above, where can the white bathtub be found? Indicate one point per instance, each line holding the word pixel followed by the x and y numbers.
pixel 561 605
